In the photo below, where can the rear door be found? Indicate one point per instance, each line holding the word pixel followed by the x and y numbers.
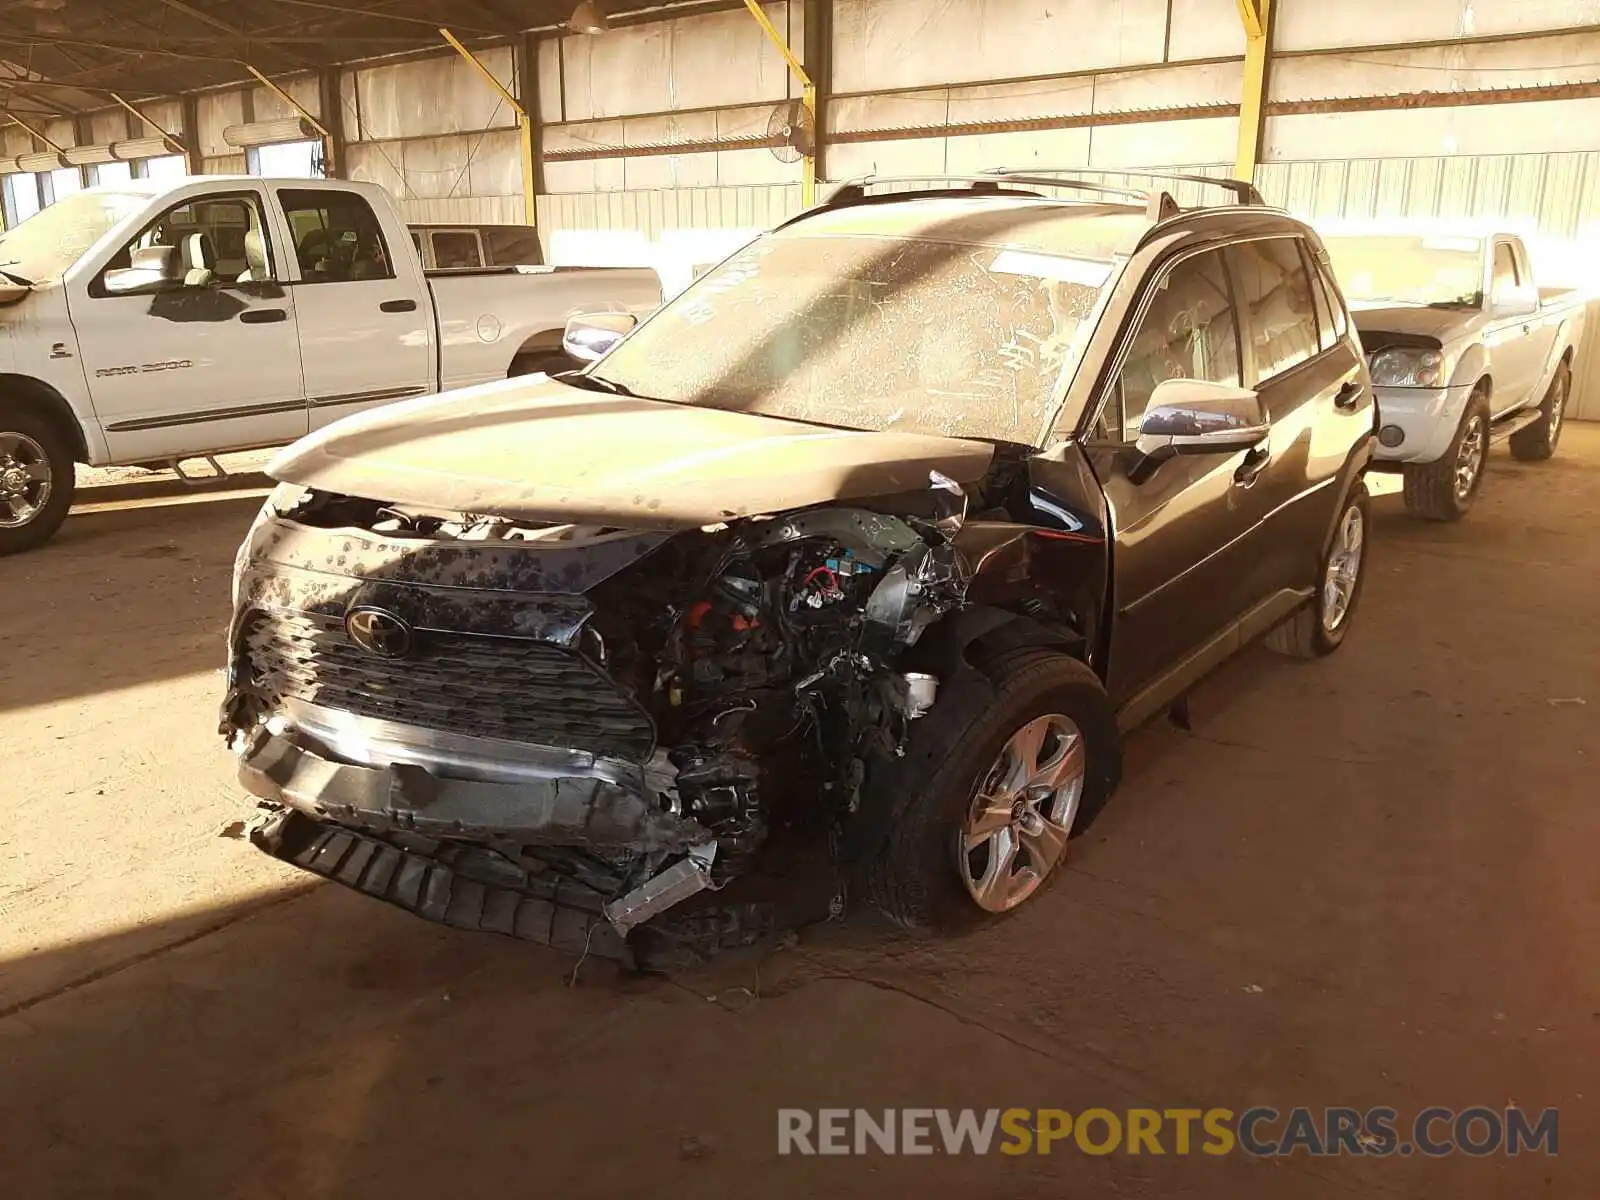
pixel 199 354
pixel 1311 380
pixel 366 327
pixel 1180 530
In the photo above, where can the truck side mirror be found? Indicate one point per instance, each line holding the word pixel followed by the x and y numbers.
pixel 151 269
pixel 590 336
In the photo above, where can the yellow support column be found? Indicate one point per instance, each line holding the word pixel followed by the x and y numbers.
pixel 524 125
pixel 1256 16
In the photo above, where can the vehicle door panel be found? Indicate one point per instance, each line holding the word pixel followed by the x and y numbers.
pixel 1182 527
pixel 200 355
pixel 1310 380
pixel 1542 335
pixel 366 332
pixel 1513 342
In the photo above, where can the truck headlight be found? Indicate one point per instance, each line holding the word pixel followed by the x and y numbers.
pixel 1405 366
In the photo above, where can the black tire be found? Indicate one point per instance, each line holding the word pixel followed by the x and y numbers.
pixel 1435 490
pixel 33 442
pixel 1310 633
pixel 1538 441
pixel 916 878
pixel 550 361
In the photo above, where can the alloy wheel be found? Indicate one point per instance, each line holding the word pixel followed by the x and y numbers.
pixel 25 480
pixel 1018 824
pixel 1558 408
pixel 1344 569
pixel 1469 459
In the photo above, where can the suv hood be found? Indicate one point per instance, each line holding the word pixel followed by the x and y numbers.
pixel 543 450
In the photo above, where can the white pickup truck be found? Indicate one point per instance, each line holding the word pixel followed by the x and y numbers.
pixel 1464 349
pixel 151 322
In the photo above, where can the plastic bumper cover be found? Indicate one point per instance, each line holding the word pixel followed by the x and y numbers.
pixel 1428 417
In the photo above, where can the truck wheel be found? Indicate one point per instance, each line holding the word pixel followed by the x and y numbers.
pixel 548 361
pixel 1029 760
pixel 1538 441
pixel 1444 490
pixel 1319 628
pixel 36 480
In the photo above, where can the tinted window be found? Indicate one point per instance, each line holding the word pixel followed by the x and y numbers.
pixel 1341 321
pixel 1505 271
pixel 513 245
pixel 1276 293
pixel 456 248
pixel 1321 298
pixel 1187 332
pixel 336 237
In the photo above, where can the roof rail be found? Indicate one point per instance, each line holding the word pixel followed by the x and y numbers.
pixel 855 191
pixel 1159 204
pixel 1243 192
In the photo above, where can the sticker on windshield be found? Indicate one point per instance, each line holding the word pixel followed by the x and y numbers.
pixel 1083 271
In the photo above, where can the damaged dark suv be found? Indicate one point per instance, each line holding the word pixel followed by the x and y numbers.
pixel 852 562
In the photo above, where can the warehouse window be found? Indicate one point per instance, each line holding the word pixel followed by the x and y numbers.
pixel 1189 331
pixel 167 167
pixel 336 237
pixel 104 174
pixel 1276 293
pixel 21 198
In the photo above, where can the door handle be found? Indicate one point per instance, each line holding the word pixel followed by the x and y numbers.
pixel 1348 396
pixel 1254 463
pixel 396 306
pixel 263 316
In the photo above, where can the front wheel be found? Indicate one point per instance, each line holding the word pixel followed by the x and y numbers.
pixel 1444 490
pixel 36 480
pixel 1027 763
pixel 1538 441
pixel 1319 628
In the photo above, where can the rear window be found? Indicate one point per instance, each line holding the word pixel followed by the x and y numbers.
pixel 455 249
pixel 513 247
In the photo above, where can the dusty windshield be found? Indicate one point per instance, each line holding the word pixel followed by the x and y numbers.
pixel 46 244
pixel 1445 272
pixel 872 332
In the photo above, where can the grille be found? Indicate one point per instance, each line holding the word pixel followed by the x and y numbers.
pixel 508 688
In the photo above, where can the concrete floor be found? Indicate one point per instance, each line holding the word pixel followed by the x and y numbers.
pixel 1369 881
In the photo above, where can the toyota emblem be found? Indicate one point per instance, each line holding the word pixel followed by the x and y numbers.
pixel 378 631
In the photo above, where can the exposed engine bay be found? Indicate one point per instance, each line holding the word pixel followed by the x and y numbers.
pixel 575 715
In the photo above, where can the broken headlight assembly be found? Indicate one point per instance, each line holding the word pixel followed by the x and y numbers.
pixel 1407 366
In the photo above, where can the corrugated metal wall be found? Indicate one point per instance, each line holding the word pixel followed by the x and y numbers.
pixel 437 136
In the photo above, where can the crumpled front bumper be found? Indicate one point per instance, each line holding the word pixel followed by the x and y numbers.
pixel 1427 417
pixel 552 912
pixel 426 843
pixel 566 811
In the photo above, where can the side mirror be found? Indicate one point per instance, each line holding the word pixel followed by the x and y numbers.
pixel 1193 416
pixel 150 269
pixel 1518 303
pixel 590 336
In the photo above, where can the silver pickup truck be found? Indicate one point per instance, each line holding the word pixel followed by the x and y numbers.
pixel 1464 348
